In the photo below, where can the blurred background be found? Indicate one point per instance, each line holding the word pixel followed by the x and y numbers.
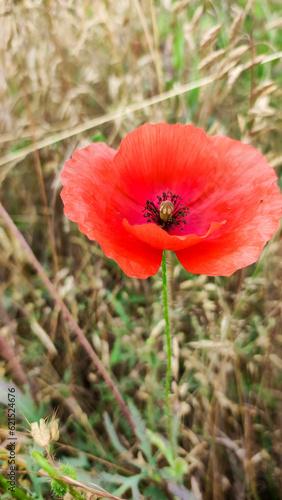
pixel 72 72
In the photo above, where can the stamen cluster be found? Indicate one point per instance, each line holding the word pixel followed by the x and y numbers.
pixel 154 212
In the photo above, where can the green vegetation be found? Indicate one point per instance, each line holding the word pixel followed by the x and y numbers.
pixel 70 63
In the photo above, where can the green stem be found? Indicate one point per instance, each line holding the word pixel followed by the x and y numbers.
pixel 168 343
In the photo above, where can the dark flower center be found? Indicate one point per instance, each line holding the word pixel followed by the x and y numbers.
pixel 167 212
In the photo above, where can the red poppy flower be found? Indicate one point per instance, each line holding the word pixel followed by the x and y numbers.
pixel 212 200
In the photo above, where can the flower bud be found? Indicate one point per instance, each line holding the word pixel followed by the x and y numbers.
pixel 40 433
pixel 54 429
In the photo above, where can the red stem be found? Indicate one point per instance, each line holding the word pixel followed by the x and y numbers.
pixel 81 337
pixel 9 354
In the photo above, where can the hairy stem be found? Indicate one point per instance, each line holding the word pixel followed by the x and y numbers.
pixel 168 343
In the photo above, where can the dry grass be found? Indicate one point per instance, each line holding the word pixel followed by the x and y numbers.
pixel 73 71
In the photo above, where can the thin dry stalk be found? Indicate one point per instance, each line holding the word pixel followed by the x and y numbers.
pixel 98 492
pixel 245 413
pixel 67 315
pixel 253 59
pixel 110 465
pixel 101 120
pixel 158 60
pixel 214 462
pixel 121 113
pixel 42 186
pixel 143 21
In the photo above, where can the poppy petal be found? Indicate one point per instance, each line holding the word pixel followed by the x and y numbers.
pixel 248 194
pixel 161 157
pixel 158 238
pixel 90 199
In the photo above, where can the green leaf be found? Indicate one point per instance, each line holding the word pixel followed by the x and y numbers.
pixel 119 308
pixel 68 470
pixel 99 137
pixel 130 483
pixel 145 445
pixel 17 493
pixel 161 444
pixel 178 469
pixel 112 433
pixel 153 492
